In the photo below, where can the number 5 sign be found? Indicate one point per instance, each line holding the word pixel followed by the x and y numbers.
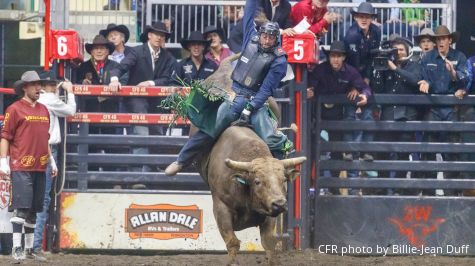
pixel 301 48
pixel 66 44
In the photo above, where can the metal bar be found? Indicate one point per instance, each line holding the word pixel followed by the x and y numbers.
pixel 334 182
pixel 128 140
pixel 380 146
pixel 425 126
pixel 446 166
pixel 108 158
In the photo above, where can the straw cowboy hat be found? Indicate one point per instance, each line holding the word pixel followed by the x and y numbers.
pixel 27 77
pixel 156 27
pixel 114 27
pixel 425 33
pixel 195 37
pixel 100 40
pixel 211 29
pixel 335 47
pixel 364 8
pixel 442 31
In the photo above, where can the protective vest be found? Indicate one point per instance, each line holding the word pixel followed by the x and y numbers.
pixel 253 65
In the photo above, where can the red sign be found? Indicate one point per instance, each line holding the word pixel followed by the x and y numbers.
pixel 103 118
pixel 66 44
pixel 128 90
pixel 301 48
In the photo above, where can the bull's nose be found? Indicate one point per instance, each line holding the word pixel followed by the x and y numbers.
pixel 279 206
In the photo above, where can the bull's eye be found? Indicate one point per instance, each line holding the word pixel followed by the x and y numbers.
pixel 257 182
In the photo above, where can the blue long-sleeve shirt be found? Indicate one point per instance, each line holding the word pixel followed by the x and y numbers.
pixel 436 74
pixel 277 69
pixel 359 48
pixel 471 71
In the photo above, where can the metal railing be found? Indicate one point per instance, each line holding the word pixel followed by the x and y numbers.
pixel 186 16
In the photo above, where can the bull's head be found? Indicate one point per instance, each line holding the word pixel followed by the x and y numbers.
pixel 267 179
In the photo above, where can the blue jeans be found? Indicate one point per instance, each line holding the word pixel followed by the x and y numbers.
pixel 42 216
pixel 138 105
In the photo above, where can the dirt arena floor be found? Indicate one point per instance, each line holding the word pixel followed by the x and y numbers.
pixel 308 257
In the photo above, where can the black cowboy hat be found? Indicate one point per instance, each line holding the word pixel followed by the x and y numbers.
pixel 425 33
pixel 364 8
pixel 336 47
pixel 211 29
pixel 27 77
pixel 114 27
pixel 195 37
pixel 100 40
pixel 442 31
pixel 156 27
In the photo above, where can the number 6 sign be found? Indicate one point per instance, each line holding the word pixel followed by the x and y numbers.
pixel 301 48
pixel 66 44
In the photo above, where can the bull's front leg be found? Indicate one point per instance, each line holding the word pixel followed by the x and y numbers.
pixel 269 240
pixel 223 217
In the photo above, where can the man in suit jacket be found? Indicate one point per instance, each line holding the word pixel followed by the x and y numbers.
pixel 148 65
pixel 277 11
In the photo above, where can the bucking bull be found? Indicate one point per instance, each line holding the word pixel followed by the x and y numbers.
pixel 248 185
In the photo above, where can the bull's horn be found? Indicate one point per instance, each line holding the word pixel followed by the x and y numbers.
pixel 293 161
pixel 240 166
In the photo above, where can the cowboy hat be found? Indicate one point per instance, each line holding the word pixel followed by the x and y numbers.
pixel 114 27
pixel 100 40
pixel 195 37
pixel 335 47
pixel 442 31
pixel 396 38
pixel 211 29
pixel 425 33
pixel 156 27
pixel 27 77
pixel 364 8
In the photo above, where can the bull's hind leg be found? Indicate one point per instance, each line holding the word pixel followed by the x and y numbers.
pixel 225 224
pixel 268 239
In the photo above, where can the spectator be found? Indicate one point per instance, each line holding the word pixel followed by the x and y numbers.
pixel 360 40
pixel 316 14
pixel 445 72
pixel 337 77
pixel 119 36
pixel 277 11
pixel 98 71
pixel 217 52
pixel 401 77
pixel 148 65
pixel 25 139
pixel 197 66
pixel 56 108
pixel 425 40
pixel 260 68
pixel 415 17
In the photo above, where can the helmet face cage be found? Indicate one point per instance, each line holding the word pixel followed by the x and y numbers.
pixel 271 28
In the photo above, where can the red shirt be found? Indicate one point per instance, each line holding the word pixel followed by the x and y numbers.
pixel 314 16
pixel 26 128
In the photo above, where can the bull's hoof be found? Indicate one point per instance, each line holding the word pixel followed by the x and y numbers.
pixel 173 169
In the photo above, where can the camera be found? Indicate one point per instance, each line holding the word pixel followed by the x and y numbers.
pixel 381 57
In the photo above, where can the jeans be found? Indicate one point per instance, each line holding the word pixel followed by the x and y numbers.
pixel 41 217
pixel 138 105
pixel 358 136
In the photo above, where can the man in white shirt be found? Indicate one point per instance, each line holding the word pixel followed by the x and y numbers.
pixel 49 97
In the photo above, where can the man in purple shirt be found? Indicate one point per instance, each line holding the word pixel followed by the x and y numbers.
pixel 337 77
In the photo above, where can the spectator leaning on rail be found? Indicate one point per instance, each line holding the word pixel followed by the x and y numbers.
pixel 25 139
pixel 401 77
pixel 337 77
pixel 316 14
pixel 148 65
pixel 216 52
pixel 445 72
pixel 98 71
pixel 277 11
pixel 49 97
pixel 259 69
pixel 197 66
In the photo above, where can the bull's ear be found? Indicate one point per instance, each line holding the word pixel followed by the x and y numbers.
pixel 291 174
pixel 241 179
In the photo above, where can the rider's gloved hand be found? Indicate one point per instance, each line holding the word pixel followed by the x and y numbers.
pixel 244 119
